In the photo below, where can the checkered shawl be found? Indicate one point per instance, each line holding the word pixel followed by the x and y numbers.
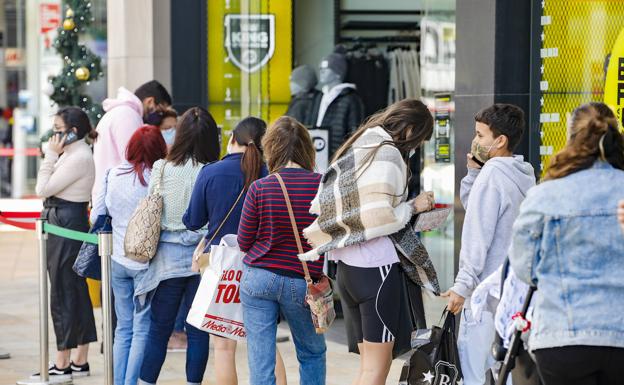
pixel 359 200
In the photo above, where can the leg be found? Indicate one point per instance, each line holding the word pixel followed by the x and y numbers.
pixel 360 376
pixel 140 329
pixel 376 363
pixel 569 365
pixel 164 307
pixel 123 287
pixel 473 343
pixel 612 370
pixel 280 369
pixel 198 340
pixel 260 312
pixel 225 360
pixel 352 316
pixel 309 345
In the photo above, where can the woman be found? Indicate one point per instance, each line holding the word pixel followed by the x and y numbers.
pixel 567 242
pixel 196 143
pixel 65 180
pixel 364 205
pixel 220 186
pixel 124 187
pixel 273 282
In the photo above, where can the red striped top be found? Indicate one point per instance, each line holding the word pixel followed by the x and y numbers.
pixel 265 233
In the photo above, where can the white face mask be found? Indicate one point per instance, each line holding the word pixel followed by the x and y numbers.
pixel 169 135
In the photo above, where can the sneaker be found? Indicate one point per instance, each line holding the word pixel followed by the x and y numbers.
pixel 177 342
pixel 80 370
pixel 56 373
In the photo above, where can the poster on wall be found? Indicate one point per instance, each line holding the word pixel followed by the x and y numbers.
pixel 437 55
pixel 249 60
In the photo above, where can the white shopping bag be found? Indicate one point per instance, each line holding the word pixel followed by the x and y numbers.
pixel 216 308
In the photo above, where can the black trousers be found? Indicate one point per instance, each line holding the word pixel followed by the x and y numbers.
pixel 581 365
pixel 70 305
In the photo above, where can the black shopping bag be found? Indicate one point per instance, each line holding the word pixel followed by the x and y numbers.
pixel 434 359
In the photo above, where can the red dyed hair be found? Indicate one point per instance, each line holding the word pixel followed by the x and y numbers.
pixel 145 147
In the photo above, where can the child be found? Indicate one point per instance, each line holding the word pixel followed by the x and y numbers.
pixel 491 193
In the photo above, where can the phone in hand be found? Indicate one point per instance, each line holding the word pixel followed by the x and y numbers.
pixel 70 137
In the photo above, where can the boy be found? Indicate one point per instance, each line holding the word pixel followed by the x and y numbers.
pixel 491 193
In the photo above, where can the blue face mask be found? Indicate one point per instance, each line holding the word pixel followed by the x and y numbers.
pixel 169 135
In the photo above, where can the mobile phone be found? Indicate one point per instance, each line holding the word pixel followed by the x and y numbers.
pixel 70 137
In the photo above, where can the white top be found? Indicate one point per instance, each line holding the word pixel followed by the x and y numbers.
pixel 374 253
pixel 69 176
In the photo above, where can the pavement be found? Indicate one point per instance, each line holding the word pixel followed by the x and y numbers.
pixel 19 328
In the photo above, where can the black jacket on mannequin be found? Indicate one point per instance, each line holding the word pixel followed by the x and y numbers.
pixel 305 107
pixel 343 116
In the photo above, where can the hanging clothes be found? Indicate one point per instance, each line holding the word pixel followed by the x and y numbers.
pixel 369 71
pixel 404 75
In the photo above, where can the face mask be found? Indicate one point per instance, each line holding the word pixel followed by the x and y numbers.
pixel 153 118
pixel 169 135
pixel 481 153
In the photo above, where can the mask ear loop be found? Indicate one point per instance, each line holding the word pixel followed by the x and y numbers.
pixel 603 155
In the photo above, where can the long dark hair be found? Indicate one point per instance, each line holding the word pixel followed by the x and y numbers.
pixel 288 140
pixel 197 138
pixel 408 122
pixel 594 135
pixel 75 117
pixel 145 147
pixel 249 132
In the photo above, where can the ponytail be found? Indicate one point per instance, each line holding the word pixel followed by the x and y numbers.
pixel 249 133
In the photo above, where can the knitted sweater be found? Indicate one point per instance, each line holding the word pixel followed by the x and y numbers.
pixel 176 189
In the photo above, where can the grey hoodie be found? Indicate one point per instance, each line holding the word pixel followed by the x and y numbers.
pixel 491 197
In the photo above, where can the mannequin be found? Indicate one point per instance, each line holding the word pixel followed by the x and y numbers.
pixel 341 109
pixel 306 99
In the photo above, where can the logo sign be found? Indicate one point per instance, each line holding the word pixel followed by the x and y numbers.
pixel 446 374
pixel 319 143
pixel 250 40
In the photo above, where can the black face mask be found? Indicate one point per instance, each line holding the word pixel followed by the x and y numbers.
pixel 154 118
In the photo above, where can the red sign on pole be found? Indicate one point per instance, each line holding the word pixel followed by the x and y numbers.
pixel 49 16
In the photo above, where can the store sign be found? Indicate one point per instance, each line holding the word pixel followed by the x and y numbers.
pixel 250 40
pixel 50 16
pixel 614 82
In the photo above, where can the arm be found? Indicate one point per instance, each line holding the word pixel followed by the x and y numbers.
pixel 99 205
pixel 466 186
pixel 248 227
pixel 524 252
pixel 50 182
pixel 197 213
pixel 477 235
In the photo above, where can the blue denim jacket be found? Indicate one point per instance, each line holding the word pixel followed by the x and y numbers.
pixel 567 241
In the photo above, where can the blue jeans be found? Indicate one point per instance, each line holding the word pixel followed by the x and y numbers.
pixel 165 304
pixel 132 326
pixel 264 295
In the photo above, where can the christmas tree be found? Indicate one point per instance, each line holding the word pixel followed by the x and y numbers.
pixel 80 65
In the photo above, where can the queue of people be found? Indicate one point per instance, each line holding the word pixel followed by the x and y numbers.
pixel 560 236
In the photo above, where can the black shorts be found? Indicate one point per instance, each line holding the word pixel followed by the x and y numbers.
pixel 371 300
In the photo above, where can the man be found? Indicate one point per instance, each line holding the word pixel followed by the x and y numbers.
pixel 491 193
pixel 124 115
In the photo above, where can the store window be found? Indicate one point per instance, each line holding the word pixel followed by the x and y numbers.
pixel 581 50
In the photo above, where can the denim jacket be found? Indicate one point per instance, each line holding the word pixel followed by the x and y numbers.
pixel 567 241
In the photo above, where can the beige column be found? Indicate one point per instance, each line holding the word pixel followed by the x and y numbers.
pixel 139 43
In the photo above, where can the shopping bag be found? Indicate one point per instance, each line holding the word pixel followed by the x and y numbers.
pixel 434 359
pixel 216 307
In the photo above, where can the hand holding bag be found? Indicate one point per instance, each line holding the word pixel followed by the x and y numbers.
pixel 201 257
pixel 143 232
pixel 320 295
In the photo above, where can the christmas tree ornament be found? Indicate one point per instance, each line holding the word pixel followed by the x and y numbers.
pixel 69 24
pixel 69 13
pixel 82 74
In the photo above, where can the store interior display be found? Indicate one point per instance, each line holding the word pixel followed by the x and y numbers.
pixel 306 99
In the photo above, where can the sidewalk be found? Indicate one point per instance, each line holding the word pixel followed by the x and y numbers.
pixel 19 329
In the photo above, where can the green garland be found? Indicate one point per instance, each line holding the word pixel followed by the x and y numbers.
pixel 68 85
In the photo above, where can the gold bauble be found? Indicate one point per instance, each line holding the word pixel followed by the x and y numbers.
pixel 69 24
pixel 82 74
pixel 69 13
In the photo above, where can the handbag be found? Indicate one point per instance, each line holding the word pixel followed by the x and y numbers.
pixel 88 263
pixel 319 295
pixel 434 358
pixel 143 231
pixel 199 254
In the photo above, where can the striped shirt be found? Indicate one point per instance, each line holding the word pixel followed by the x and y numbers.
pixel 265 232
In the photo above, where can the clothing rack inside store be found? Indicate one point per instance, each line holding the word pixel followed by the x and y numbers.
pixel 345 21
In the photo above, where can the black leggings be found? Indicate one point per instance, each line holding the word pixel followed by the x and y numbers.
pixel 581 365
pixel 70 305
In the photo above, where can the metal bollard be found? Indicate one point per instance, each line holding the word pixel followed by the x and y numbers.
pixel 43 313
pixel 105 249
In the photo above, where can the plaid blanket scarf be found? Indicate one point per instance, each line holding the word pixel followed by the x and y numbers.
pixel 361 199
